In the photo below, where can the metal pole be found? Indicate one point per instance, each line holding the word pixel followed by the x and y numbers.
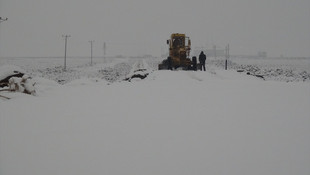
pixel 66 38
pixel 65 64
pixel 91 52
pixel 226 53
pixel 227 56
pixel 104 51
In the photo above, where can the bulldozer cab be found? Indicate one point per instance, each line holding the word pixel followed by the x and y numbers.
pixel 179 51
pixel 178 42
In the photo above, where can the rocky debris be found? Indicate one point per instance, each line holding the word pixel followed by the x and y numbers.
pixel 112 74
pixel 24 84
pixel 15 81
pixel 140 70
pixel 4 82
pixel 240 70
pixel 140 74
pixel 7 72
pixel 279 74
pixel 267 72
pixel 259 76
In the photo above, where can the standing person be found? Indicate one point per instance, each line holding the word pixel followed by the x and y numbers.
pixel 202 61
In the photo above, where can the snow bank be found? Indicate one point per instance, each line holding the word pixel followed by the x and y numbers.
pixel 140 70
pixel 23 84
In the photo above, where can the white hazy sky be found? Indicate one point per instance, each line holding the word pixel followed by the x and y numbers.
pixel 136 27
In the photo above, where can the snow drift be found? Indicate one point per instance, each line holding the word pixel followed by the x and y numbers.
pixel 214 122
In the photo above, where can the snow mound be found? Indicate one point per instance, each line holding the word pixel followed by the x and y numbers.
pixel 24 84
pixel 140 70
pixel 44 85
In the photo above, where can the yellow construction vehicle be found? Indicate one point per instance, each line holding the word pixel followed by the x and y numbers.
pixel 179 49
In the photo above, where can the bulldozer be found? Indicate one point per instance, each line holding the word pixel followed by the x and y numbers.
pixel 179 50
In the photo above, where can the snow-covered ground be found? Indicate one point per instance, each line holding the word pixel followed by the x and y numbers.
pixel 275 69
pixel 172 122
pixel 110 69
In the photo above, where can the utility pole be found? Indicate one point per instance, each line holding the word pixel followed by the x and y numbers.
pixel 91 52
pixel 66 38
pixel 3 19
pixel 104 51
pixel 227 55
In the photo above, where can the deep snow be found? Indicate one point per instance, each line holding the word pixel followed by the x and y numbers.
pixel 172 122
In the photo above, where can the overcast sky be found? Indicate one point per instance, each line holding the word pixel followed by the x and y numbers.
pixel 136 27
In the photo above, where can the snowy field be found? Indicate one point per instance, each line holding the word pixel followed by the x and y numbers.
pixel 88 121
pixel 276 69
pixel 76 68
pixel 112 69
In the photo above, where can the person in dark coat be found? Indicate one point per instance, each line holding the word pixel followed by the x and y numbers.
pixel 202 61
